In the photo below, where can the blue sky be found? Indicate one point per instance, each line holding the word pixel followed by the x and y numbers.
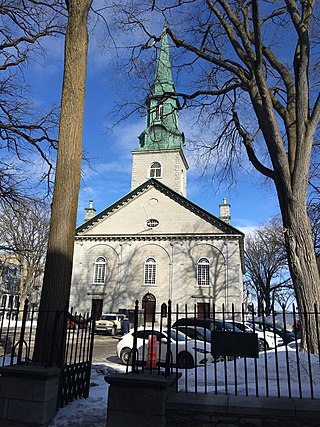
pixel 253 202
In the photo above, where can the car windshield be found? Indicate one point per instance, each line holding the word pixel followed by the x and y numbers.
pixel 107 317
pixel 256 328
pixel 229 327
pixel 279 327
pixel 178 336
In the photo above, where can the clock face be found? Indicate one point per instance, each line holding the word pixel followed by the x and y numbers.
pixel 156 133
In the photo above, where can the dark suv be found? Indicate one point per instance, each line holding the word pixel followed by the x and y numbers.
pixel 201 329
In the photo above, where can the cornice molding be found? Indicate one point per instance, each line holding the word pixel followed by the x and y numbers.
pixel 126 238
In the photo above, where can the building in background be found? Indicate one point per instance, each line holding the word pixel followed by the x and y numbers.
pixel 9 282
pixel 12 277
pixel 154 244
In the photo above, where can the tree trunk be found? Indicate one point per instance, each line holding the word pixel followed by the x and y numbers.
pixel 49 346
pixel 303 268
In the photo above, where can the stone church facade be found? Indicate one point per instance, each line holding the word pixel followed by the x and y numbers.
pixel 154 244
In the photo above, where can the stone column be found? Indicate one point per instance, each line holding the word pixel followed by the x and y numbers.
pixel 28 395
pixel 138 399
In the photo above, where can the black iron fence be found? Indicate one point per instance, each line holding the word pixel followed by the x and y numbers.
pixel 17 339
pixel 224 352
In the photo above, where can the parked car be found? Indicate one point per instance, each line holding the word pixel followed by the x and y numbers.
pixel 185 352
pixel 266 339
pixel 283 336
pixel 201 329
pixel 76 322
pixel 109 323
pixel 296 328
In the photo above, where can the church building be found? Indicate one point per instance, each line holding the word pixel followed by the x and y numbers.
pixel 154 244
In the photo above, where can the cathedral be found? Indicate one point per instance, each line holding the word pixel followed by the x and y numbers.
pixel 154 244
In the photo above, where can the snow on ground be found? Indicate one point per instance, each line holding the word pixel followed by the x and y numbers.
pixel 90 412
pixel 281 364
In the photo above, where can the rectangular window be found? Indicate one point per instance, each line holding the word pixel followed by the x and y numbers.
pixel 99 273
pixel 155 173
pixel 150 274
pixel 203 275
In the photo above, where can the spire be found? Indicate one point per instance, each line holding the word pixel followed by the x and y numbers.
pixel 163 82
pixel 162 130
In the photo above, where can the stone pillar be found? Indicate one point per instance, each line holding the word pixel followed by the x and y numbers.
pixel 28 395
pixel 138 399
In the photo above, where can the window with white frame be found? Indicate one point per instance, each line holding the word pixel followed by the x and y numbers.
pixel 99 274
pixel 150 271
pixel 203 277
pixel 155 170
pixel 159 112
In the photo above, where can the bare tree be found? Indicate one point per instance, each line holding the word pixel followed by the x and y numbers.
pixel 262 99
pixel 285 298
pixel 58 268
pixel 267 271
pixel 24 230
pixel 24 129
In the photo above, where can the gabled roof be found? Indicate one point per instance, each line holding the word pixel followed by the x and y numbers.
pixel 187 204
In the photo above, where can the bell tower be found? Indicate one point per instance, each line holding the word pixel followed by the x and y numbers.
pixel 160 152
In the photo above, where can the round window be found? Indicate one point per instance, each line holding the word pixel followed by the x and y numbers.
pixel 152 222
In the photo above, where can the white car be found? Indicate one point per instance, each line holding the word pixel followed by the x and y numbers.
pixel 266 339
pixel 185 352
pixel 109 323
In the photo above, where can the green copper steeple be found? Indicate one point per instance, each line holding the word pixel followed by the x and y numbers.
pixel 163 79
pixel 162 108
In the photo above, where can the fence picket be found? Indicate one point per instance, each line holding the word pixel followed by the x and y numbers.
pixel 273 372
pixel 76 366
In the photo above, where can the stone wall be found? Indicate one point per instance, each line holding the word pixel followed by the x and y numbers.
pixel 198 410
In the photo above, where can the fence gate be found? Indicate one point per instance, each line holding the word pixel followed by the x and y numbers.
pixel 75 375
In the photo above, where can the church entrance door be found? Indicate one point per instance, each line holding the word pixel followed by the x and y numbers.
pixel 149 305
pixel 97 305
pixel 203 309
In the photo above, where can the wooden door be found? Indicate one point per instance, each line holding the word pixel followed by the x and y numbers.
pixel 149 305
pixel 97 305
pixel 203 310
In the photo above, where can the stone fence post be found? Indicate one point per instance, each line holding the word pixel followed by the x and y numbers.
pixel 28 395
pixel 137 399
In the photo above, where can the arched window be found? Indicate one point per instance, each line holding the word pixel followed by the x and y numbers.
pixel 99 274
pixel 4 301
pixel 159 112
pixel 155 170
pixel 150 271
pixel 203 272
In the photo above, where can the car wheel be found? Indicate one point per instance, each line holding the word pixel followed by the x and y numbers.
pixel 126 356
pixel 114 331
pixel 185 360
pixel 262 345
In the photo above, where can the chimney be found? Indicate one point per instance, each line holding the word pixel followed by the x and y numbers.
pixel 225 211
pixel 89 212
